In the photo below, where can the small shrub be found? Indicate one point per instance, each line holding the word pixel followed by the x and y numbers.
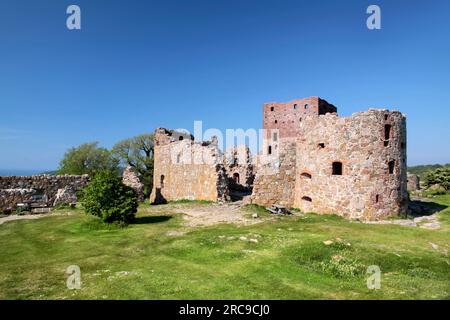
pixel 439 177
pixel 342 267
pixel 64 206
pixel 109 199
pixel 254 208
pixel 22 211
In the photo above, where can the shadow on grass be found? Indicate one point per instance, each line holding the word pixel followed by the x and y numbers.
pixel 424 208
pixel 151 219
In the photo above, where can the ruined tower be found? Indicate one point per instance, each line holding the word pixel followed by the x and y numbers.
pixel 184 169
pixel 316 161
pixel 352 166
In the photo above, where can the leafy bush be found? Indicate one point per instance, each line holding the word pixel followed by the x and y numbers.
pixel 108 198
pixel 439 177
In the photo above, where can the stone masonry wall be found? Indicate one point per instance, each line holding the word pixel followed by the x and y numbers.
pixel 14 190
pixel 413 182
pixel 185 169
pixel 371 146
pixel 239 168
pixel 133 179
pixel 286 116
pixel 275 179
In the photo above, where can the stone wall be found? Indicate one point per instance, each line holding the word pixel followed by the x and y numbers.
pixel 353 166
pixel 49 189
pixel 275 175
pixel 413 182
pixel 133 179
pixel 239 168
pixel 185 169
pixel 285 117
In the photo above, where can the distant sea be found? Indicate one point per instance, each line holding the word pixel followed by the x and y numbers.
pixel 21 172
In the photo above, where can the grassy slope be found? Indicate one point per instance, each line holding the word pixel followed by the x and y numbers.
pixel 289 261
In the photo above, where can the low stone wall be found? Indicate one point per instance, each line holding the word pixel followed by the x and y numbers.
pixel 49 189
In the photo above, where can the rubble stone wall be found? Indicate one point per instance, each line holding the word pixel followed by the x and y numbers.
pixel 239 168
pixel 275 179
pixel 413 182
pixel 17 189
pixel 371 148
pixel 185 169
pixel 132 178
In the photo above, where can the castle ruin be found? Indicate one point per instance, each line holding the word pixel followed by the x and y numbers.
pixel 311 159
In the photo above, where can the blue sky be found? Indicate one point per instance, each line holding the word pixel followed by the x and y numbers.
pixel 138 65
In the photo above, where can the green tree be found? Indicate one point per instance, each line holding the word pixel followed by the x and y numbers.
pixel 109 199
pixel 138 153
pixel 87 158
pixel 439 176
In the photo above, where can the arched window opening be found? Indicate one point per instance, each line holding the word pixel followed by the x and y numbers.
pixel 269 150
pixel 271 108
pixel 162 181
pixel 236 177
pixel 306 106
pixel 306 175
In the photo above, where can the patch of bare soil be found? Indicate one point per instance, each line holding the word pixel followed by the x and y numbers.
pixel 210 214
pixel 205 215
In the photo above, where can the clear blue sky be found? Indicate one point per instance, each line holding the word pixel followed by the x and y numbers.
pixel 137 65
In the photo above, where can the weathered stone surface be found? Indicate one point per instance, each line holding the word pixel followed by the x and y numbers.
pixel 133 179
pixel 413 182
pixel 239 168
pixel 185 169
pixel 372 184
pixel 66 195
pixel 275 174
pixel 311 159
pixel 285 117
pixel 14 190
pixel 366 150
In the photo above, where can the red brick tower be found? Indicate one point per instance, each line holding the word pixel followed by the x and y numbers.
pixel 286 116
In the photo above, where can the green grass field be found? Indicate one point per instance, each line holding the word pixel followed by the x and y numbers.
pixel 159 257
